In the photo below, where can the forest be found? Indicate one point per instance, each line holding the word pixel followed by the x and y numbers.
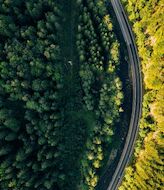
pixel 61 95
pixel 146 168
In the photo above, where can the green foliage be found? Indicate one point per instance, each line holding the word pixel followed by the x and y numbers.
pixel 60 94
pixel 7 27
pixel 146 170
pixel 97 43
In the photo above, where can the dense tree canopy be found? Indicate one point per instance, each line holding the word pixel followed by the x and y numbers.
pixel 60 93
pixel 146 170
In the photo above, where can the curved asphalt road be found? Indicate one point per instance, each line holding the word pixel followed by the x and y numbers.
pixel 137 94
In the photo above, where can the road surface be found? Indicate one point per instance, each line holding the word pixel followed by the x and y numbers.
pixel 136 98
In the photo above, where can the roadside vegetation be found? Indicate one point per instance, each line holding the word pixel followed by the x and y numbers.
pixel 146 170
pixel 60 93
